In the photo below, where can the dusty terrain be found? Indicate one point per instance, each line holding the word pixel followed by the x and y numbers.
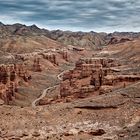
pixel 68 86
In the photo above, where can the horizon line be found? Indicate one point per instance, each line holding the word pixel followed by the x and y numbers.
pixel 67 29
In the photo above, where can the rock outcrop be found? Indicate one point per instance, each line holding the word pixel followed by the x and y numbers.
pixel 50 57
pixel 10 77
pixel 93 75
pixel 37 65
pixel 116 40
pixel 89 69
pixel 65 55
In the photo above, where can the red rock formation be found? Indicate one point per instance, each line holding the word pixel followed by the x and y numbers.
pixel 97 78
pixel 114 79
pixel 69 85
pixel 9 79
pixel 65 55
pixel 84 91
pixel 72 74
pixel 87 69
pixel 36 65
pixel 50 57
pixel 105 62
pixel 100 76
pixel 65 88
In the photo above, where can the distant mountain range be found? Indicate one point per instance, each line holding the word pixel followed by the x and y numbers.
pixel 21 35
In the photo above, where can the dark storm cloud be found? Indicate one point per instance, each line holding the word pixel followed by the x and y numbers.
pixel 97 15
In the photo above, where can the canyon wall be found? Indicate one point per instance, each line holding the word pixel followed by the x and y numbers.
pixel 91 76
pixel 10 77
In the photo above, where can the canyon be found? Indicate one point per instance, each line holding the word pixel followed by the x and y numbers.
pixel 63 85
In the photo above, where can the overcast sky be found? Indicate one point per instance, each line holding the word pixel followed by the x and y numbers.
pixel 84 15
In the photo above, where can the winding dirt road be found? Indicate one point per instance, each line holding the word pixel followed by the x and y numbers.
pixel 60 76
pixel 45 91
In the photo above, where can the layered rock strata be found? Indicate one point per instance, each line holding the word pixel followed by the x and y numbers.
pixel 10 77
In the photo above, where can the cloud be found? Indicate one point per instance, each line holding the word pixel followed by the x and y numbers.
pixel 96 15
